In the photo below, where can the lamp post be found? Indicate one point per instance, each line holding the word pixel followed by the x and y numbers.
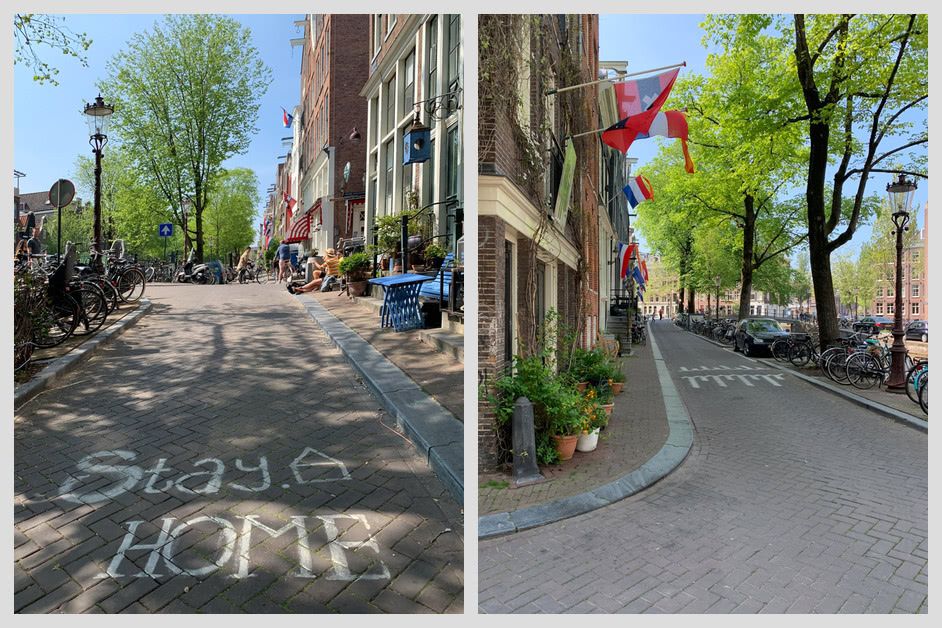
pixel 900 193
pixel 98 115
pixel 717 281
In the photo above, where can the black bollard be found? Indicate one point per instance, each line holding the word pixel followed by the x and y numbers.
pixel 524 444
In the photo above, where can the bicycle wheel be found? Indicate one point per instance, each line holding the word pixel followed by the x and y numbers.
pixel 94 309
pixel 62 315
pixel 22 339
pixel 924 394
pixel 261 275
pixel 800 354
pixel 110 292
pixel 780 349
pixel 826 355
pixel 913 376
pixel 837 368
pixel 131 283
pixel 863 371
pixel 149 274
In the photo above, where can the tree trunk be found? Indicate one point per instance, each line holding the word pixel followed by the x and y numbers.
pixel 690 297
pixel 818 249
pixel 680 294
pixel 748 250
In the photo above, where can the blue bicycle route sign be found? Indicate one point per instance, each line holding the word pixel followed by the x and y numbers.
pixel 165 230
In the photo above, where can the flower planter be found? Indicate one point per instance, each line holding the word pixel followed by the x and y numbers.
pixel 581 386
pixel 566 446
pixel 609 408
pixel 617 387
pixel 358 288
pixel 588 441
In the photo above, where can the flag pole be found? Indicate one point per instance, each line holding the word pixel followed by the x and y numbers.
pixel 584 133
pixel 615 80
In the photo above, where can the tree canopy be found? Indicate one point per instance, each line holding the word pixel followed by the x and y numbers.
pixel 186 98
pixel 33 31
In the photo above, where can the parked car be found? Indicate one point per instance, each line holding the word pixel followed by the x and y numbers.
pixel 754 335
pixel 873 324
pixel 918 330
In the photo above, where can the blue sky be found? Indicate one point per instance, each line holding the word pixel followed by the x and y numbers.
pixel 50 129
pixel 651 41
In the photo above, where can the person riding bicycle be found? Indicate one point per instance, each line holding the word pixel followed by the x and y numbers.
pixel 243 263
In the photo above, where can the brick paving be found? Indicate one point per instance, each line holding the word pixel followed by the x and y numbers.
pixel 636 431
pixel 221 456
pixel 792 500
pixel 440 376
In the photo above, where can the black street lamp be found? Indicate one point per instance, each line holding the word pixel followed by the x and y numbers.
pixel 98 115
pixel 717 280
pixel 900 194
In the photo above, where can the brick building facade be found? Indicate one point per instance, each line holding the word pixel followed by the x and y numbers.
pixel 530 260
pixel 416 71
pixel 915 278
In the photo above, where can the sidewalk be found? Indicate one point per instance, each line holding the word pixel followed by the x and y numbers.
pixel 437 374
pixel 636 432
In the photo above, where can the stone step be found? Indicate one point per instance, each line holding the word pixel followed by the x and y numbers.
pixel 453 324
pixel 446 342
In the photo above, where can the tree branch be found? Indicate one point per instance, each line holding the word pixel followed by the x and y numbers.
pixel 717 210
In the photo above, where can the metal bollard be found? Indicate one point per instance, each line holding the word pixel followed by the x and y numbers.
pixel 524 444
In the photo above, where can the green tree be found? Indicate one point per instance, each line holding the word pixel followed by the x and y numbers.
pixel 186 98
pixel 34 30
pixel 230 217
pixel 131 208
pixel 854 281
pixel 860 79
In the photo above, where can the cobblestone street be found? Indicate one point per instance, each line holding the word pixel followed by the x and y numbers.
pixel 791 500
pixel 221 456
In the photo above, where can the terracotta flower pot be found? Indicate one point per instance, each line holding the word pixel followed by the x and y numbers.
pixel 609 408
pixel 566 446
pixel 617 387
pixel 581 386
pixel 358 288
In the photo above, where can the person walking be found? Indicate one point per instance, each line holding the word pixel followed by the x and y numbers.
pixel 283 255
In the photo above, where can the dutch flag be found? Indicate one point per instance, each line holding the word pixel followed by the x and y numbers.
pixel 638 190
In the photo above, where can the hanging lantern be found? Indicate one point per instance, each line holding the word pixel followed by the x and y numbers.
pixel 416 144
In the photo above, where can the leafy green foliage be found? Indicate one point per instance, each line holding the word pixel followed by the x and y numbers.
pixel 186 98
pixel 34 30
pixel 230 216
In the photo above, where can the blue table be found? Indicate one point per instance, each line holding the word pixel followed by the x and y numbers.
pixel 401 301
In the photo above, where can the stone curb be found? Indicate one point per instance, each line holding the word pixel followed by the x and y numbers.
pixel 68 362
pixel 437 433
pixel 897 415
pixel 668 458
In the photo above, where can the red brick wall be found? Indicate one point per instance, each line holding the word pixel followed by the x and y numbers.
pixel 491 346
pixel 349 64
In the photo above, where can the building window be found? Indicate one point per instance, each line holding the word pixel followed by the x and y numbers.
pixel 374 122
pixel 452 163
pixel 916 309
pixel 428 177
pixel 389 121
pixel 889 291
pixel 406 184
pixel 879 308
pixel 432 58
pixel 390 160
pixel 916 290
pixel 915 257
pixel 454 52
pixel 890 308
pixel 377 32
pixel 408 84
pixel 390 22
pixel 880 292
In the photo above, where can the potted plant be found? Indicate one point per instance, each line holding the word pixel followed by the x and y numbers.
pixel 565 421
pixel 606 398
pixel 617 382
pixel 434 254
pixel 357 268
pixel 594 419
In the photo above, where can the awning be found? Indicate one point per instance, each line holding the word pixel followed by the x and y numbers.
pixel 300 230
